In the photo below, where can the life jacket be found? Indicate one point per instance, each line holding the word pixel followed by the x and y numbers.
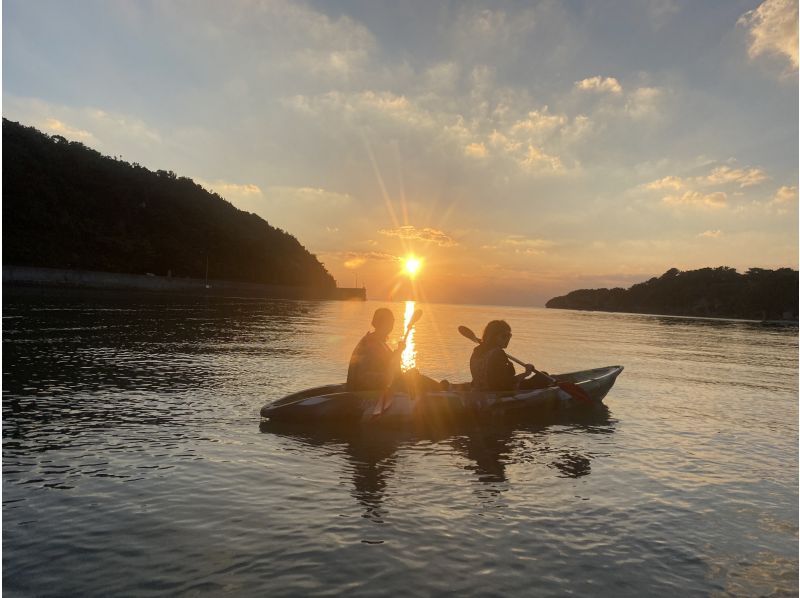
pixel 491 369
pixel 371 365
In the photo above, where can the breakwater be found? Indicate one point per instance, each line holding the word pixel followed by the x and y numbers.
pixel 24 276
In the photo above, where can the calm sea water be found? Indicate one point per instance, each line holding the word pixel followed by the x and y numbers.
pixel 135 463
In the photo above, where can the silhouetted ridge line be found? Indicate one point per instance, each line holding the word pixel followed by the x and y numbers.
pixel 67 206
pixel 720 292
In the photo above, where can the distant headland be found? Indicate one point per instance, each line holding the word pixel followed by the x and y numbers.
pixel 69 208
pixel 722 292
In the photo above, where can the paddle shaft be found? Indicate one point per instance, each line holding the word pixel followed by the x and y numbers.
pixel 385 400
pixel 415 317
pixel 525 365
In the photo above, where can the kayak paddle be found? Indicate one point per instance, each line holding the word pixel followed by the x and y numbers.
pixel 385 400
pixel 572 389
pixel 415 317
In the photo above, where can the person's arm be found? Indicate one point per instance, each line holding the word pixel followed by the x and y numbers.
pixel 520 377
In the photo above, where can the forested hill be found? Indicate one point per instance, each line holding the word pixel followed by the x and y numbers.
pixel 716 292
pixel 67 206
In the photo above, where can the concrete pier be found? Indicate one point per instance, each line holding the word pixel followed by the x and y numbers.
pixel 54 277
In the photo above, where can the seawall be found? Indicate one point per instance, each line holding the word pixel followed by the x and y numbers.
pixel 24 276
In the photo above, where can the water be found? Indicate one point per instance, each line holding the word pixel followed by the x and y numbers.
pixel 134 461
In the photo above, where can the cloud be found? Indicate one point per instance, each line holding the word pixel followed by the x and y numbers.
pixel 668 182
pixel 430 235
pixel 522 245
pixel 485 123
pixel 131 127
pixel 291 37
pixel 773 30
pixel 476 150
pixel 355 259
pixel 367 107
pixel 711 234
pixel 355 262
pixel 226 189
pixel 105 131
pixel 644 102
pixel 600 84
pixel 784 199
pixel 308 197
pixel 718 177
pixel 479 29
pixel 535 160
pixel 717 199
pixel 56 127
pixel 742 177
pixel 442 76
pixel 538 123
pixel 611 99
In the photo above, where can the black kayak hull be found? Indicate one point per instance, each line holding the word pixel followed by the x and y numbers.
pixel 333 404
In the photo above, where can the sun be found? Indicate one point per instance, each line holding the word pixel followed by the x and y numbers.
pixel 411 265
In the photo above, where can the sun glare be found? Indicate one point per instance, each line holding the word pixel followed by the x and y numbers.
pixel 412 266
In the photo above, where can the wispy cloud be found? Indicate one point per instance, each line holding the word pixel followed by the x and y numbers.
pixel 308 196
pixel 522 245
pixel 695 189
pixel 536 160
pixel 644 102
pixel 784 199
pixel 104 130
pixel 668 182
pixel 232 191
pixel 355 259
pixel 430 235
pixel 711 234
pixel 519 240
pixel 56 127
pixel 740 176
pixel 129 126
pixel 773 30
pixel 717 199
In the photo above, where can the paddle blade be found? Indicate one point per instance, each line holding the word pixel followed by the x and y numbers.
pixel 575 391
pixel 467 333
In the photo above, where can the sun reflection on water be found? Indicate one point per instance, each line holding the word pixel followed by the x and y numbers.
pixel 409 356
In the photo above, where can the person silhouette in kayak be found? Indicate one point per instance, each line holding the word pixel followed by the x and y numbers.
pixel 375 366
pixel 492 370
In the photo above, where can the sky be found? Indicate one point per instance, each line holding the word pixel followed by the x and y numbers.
pixel 520 150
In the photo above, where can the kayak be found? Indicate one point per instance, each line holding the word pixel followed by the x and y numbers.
pixel 334 404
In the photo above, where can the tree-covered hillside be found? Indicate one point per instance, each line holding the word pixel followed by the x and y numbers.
pixel 67 206
pixel 717 292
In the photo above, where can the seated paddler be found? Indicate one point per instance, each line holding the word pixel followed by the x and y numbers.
pixel 374 365
pixel 491 368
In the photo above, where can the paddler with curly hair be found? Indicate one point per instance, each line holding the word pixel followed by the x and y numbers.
pixel 492 370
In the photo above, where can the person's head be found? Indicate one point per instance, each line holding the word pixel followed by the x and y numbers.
pixel 383 321
pixel 497 333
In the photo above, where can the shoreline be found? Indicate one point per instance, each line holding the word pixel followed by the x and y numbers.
pixel 57 278
pixel 774 322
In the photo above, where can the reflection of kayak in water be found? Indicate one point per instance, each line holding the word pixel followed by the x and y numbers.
pixel 332 403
